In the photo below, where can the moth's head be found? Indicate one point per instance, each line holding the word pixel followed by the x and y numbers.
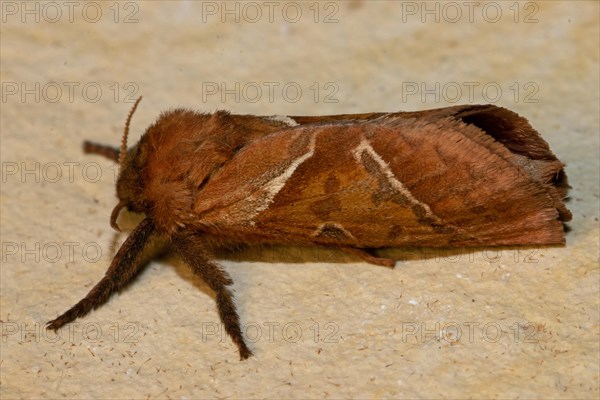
pixel 131 163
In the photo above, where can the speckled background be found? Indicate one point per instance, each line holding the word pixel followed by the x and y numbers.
pixel 481 324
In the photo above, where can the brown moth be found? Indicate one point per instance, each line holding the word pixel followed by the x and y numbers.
pixel 472 175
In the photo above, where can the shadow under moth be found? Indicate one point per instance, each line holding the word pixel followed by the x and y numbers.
pixel 471 175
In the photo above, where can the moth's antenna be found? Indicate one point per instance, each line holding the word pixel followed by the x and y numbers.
pixel 123 152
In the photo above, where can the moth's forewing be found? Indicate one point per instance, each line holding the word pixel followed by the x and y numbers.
pixel 388 181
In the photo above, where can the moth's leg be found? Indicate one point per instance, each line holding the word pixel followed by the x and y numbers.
pixel 123 267
pixel 194 254
pixel 109 152
pixel 365 255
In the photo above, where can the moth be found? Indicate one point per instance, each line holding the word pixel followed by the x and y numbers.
pixel 470 175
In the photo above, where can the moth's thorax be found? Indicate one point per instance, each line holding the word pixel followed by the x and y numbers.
pixel 176 157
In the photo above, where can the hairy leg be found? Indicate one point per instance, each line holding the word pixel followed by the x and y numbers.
pixel 107 151
pixel 123 267
pixel 365 255
pixel 194 254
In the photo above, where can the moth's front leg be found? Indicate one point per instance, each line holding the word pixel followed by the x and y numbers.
pixel 194 254
pixel 124 266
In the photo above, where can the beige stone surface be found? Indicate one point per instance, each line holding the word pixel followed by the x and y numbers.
pixel 481 324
